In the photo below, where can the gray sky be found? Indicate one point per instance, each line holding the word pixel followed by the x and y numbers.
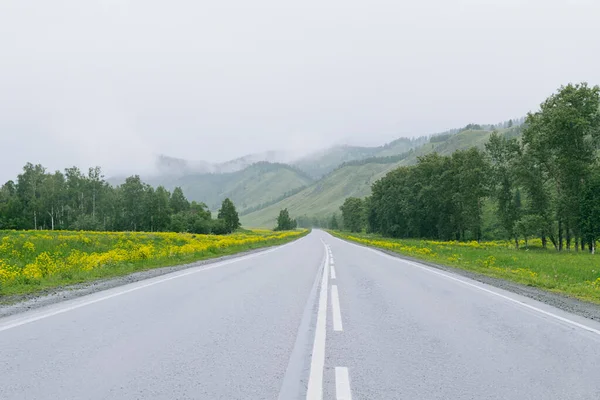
pixel 114 82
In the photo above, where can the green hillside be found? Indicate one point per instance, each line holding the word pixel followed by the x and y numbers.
pixel 325 196
pixel 258 184
pixel 459 141
pixel 321 163
pixel 400 146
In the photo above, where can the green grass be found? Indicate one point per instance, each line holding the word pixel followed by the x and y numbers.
pixel 36 261
pixel 575 274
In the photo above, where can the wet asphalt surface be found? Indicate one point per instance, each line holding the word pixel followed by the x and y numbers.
pixel 246 328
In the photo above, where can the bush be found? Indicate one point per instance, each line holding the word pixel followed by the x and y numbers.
pixel 199 225
pixel 87 223
pixel 219 227
pixel 179 222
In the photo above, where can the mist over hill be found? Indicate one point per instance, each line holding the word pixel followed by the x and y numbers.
pixel 354 178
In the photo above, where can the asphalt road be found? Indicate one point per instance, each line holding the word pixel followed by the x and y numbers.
pixel 318 318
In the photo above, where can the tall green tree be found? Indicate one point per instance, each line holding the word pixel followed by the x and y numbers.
pixel 53 198
pixel 150 209
pixel 178 201
pixel 11 216
pixel 76 194
pixel 505 158
pixel 96 182
pixel 29 191
pixel 229 216
pixel 284 222
pixel 471 174
pixel 431 195
pixel 535 183
pixel 561 138
pixel 162 216
pixel 590 210
pixel 133 191
pixel 353 214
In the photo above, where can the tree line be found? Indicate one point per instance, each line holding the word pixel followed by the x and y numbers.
pixel 77 201
pixel 331 222
pixel 545 184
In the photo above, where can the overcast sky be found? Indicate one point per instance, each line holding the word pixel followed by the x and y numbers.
pixel 115 82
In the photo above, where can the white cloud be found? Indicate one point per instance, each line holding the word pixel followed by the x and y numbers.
pixel 114 82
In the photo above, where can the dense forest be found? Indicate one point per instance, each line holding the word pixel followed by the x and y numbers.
pixel 545 184
pixel 74 200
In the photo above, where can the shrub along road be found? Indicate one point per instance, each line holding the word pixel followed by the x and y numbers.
pixel 315 318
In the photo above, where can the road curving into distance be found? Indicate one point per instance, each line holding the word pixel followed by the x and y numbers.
pixel 318 318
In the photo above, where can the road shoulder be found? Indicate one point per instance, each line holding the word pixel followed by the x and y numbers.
pixel 20 303
pixel 560 301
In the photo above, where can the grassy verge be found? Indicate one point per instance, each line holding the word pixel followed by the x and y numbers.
pixel 35 261
pixel 572 273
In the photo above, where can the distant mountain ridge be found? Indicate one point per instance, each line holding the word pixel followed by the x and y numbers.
pixel 259 183
pixel 315 164
pixel 354 178
pixel 171 166
pixel 256 181
pixel 321 163
pixel 316 184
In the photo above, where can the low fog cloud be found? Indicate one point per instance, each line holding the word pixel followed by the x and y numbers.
pixel 115 83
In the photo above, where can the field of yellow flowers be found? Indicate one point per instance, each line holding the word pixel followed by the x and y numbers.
pixel 34 260
pixel 573 273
